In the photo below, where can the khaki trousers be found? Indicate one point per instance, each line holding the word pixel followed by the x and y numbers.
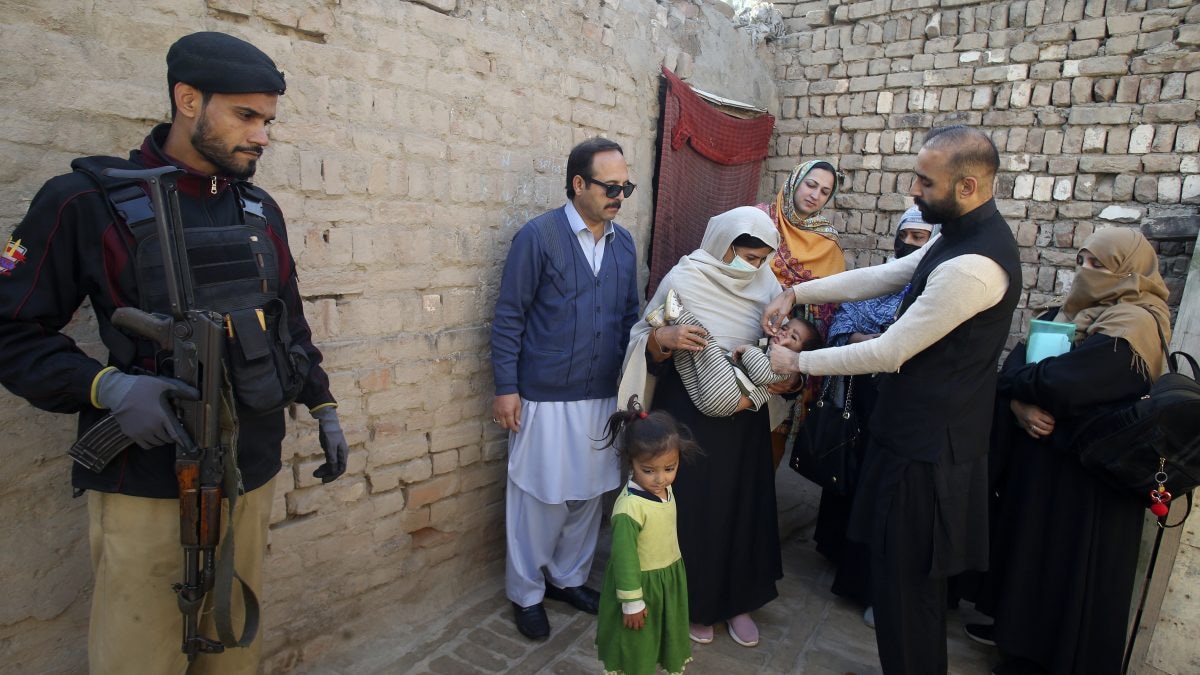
pixel 136 558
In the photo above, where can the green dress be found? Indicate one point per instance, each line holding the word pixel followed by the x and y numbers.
pixel 645 565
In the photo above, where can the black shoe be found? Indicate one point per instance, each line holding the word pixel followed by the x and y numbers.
pixel 531 621
pixel 982 633
pixel 581 598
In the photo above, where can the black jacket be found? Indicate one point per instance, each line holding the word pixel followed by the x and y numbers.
pixel 69 248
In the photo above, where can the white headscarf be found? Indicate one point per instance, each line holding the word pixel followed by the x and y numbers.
pixel 727 301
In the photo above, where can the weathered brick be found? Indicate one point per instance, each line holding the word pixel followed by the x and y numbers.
pixel 1091 28
pixel 830 86
pixel 1083 49
pixel 1025 52
pixel 1172 87
pixel 1094 139
pixel 1147 41
pixel 431 491
pixel 1165 63
pixel 1123 44
pixel 1110 164
pixel 1140 139
pixel 1118 140
pixel 1190 190
pixel 1127 88
pixel 1009 118
pixel 1108 114
pixel 873 83
pixel 1121 188
pixel 1155 22
pixel 1104 65
pixel 1161 163
pixel 1184 111
pixel 1085 186
pixel 1169 189
pixel 1009 73
pixel 1164 138
pixel 1188 35
pixel 948 77
pixel 1145 189
pixel 1188 139
pixel 1104 90
pixel 1063 165
pixel 1123 24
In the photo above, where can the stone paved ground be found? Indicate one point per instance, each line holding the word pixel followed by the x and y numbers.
pixel 806 630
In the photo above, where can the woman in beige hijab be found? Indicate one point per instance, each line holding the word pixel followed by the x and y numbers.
pixel 1065 546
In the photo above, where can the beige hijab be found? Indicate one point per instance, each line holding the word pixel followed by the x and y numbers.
pixel 1120 300
pixel 727 301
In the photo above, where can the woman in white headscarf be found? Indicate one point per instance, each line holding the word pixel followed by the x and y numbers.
pixel 728 528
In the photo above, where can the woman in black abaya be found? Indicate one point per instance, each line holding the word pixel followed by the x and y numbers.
pixel 1066 542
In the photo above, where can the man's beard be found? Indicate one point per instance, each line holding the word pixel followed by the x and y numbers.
pixel 937 213
pixel 226 161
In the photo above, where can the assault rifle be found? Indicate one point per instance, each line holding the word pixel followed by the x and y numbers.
pixel 205 466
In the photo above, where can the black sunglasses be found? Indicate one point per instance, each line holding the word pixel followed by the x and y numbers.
pixel 611 191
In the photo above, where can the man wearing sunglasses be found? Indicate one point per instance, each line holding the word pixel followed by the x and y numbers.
pixel 567 300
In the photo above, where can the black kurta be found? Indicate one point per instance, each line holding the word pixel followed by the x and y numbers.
pixel 1067 542
pixel 727 519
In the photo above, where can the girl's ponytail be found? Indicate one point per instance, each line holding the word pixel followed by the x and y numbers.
pixel 619 422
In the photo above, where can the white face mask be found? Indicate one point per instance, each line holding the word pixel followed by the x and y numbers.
pixel 739 263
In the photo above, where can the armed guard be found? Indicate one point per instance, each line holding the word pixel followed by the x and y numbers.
pixel 96 233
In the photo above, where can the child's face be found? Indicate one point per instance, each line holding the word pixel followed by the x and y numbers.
pixel 654 474
pixel 793 336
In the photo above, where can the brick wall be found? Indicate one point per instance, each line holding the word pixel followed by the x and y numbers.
pixel 1092 104
pixel 414 139
pixel 417 136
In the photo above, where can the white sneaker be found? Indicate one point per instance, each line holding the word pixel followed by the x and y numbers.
pixel 869 617
pixel 673 307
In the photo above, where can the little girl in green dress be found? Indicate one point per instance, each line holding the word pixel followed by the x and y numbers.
pixel 643 620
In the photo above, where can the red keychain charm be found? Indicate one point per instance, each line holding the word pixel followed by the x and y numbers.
pixel 1160 497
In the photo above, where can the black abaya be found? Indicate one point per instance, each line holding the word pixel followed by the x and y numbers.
pixel 727 518
pixel 1067 542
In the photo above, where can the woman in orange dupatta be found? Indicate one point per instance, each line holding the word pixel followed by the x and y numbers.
pixel 808 249
pixel 808 246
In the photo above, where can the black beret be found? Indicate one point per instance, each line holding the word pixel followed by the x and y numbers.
pixel 222 64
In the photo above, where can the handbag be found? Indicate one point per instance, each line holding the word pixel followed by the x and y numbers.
pixel 1152 445
pixel 825 449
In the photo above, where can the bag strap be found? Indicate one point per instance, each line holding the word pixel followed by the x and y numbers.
pixel 1174 366
pixel 847 402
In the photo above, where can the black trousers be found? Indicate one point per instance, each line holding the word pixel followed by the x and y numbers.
pixel 910 606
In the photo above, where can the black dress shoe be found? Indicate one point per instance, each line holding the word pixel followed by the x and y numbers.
pixel 581 598
pixel 531 621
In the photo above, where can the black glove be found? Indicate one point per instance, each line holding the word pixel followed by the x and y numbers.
pixel 139 402
pixel 333 442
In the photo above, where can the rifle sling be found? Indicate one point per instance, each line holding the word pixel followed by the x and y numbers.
pixel 223 584
pixel 225 573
